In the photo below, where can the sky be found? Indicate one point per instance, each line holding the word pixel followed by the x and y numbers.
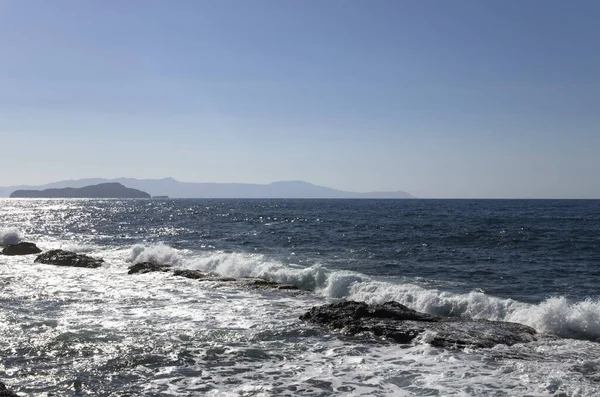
pixel 442 99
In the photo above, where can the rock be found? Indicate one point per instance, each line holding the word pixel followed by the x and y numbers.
pixel 21 249
pixel 147 267
pixel 287 287
pixel 266 284
pixel 193 274
pixel 454 332
pixel 224 279
pixel 263 283
pixel 66 258
pixel 4 392
pixel 397 323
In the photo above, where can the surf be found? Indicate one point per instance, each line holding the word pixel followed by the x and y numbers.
pixel 557 315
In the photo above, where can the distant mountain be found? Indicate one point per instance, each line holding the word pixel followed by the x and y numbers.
pixel 175 189
pixel 103 190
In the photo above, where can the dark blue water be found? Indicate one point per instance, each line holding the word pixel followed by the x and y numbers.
pixel 522 249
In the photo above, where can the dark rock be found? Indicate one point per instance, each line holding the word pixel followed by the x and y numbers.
pixel 66 258
pixel 397 323
pixel 266 284
pixel 456 332
pixel 193 274
pixel 4 392
pixel 21 249
pixel 287 287
pixel 263 283
pixel 147 267
pixel 224 279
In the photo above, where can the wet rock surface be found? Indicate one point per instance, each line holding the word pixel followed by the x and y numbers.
pixel 66 258
pixel 4 392
pixel 287 287
pixel 193 274
pixel 397 323
pixel 21 249
pixel 243 282
pixel 267 284
pixel 147 267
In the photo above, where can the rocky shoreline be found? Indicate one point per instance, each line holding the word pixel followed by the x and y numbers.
pixel 389 322
pixel 59 257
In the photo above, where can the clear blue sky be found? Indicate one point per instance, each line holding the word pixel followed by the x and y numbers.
pixel 438 98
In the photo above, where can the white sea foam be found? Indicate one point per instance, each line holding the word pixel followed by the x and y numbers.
pixel 561 317
pixel 256 265
pixel 226 342
pixel 9 236
pixel 158 254
pixel 78 247
pixel 556 316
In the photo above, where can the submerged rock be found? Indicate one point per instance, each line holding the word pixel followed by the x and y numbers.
pixel 21 249
pixel 266 284
pixel 397 323
pixel 4 392
pixel 243 282
pixel 223 279
pixel 147 267
pixel 287 287
pixel 66 258
pixel 193 274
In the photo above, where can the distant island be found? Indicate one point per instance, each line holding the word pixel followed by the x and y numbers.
pixel 161 188
pixel 103 190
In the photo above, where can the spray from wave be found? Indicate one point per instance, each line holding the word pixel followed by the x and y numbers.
pixel 555 315
pixel 157 254
pixel 10 236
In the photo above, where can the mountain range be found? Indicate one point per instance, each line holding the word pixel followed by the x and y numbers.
pixel 176 189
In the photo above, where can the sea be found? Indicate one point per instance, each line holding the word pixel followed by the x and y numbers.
pixel 102 332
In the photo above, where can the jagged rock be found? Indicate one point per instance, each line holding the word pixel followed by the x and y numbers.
pixel 147 267
pixel 4 392
pixel 21 249
pixel 454 332
pixel 193 274
pixel 66 258
pixel 394 322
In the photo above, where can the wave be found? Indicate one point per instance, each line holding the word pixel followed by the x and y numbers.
pixel 556 315
pixel 9 236
pixel 80 248
pixel 158 254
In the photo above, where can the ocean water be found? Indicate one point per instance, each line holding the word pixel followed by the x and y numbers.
pixel 102 332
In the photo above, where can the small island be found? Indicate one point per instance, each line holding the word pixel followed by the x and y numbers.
pixel 103 190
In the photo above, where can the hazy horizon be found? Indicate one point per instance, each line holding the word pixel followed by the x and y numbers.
pixel 282 181
pixel 465 99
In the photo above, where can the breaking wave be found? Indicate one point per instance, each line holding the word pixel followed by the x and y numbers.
pixel 157 254
pixel 556 315
pixel 9 236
